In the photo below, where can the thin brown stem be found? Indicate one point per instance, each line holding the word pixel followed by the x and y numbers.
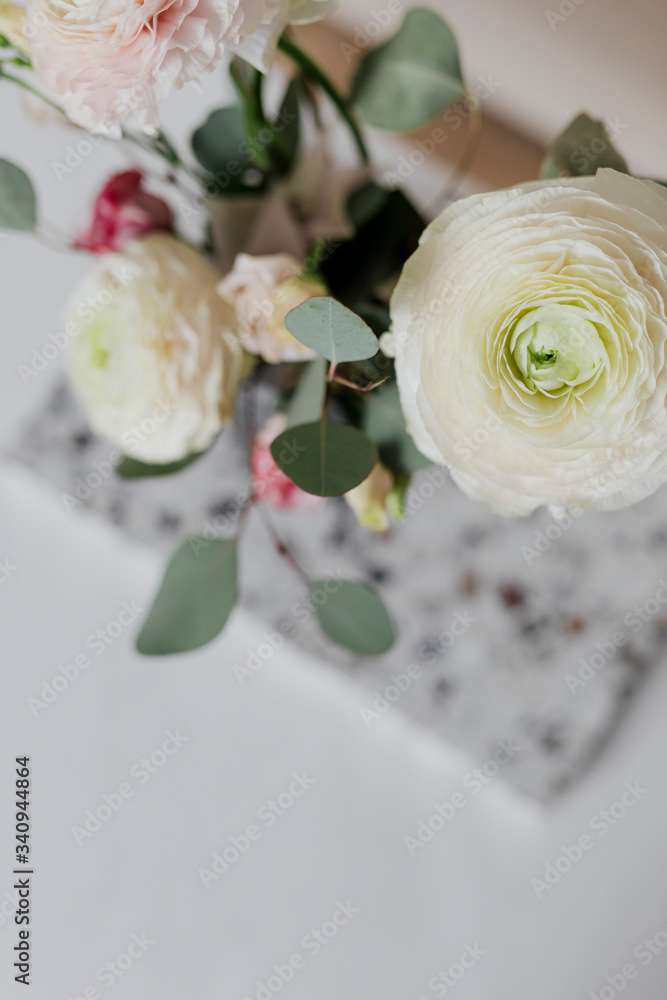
pixel 360 388
pixel 281 548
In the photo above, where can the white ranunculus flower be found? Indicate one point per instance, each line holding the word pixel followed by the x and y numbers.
pixel 529 332
pixel 153 355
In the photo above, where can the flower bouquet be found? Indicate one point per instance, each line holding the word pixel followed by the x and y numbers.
pixel 518 339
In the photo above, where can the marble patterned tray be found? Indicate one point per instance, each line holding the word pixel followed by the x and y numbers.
pixel 524 631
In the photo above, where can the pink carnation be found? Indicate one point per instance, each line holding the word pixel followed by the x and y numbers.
pixel 112 61
pixel 109 61
pixel 122 211
pixel 269 482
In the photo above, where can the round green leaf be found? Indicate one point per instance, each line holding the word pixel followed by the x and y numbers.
pixel 411 78
pixel 353 616
pixel 332 330
pixel 18 206
pixel 221 147
pixel 195 599
pixel 324 458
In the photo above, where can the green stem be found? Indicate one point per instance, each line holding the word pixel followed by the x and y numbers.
pixel 313 73
pixel 250 96
pixel 160 145
pixel 20 82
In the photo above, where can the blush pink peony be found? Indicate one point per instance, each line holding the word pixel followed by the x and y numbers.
pixel 122 211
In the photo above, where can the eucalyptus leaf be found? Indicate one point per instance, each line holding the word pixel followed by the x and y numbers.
pixel 18 204
pixel 411 78
pixel 220 145
pixel 365 203
pixel 581 150
pixel 331 329
pixel 195 599
pixel 131 468
pixel 353 616
pixel 384 423
pixel 324 458
pixel 377 251
pixel 308 399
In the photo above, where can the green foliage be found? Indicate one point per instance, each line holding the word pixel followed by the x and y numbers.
pixel 332 330
pixel 365 203
pixel 324 458
pixel 384 423
pixel 287 125
pixel 581 150
pixel 242 150
pixel 220 146
pixel 195 599
pixel 411 78
pixel 131 468
pixel 18 205
pixel 353 616
pixel 377 251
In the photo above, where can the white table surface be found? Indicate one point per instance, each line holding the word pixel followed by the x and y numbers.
pixel 343 841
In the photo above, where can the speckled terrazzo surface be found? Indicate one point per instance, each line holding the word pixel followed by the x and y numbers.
pixel 525 631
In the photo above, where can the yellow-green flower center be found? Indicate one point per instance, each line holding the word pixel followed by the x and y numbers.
pixel 556 348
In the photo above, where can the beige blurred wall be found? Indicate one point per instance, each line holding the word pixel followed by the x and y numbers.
pixel 608 57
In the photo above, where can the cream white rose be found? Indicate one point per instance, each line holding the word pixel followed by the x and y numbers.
pixel 529 332
pixel 153 354
pixel 262 290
